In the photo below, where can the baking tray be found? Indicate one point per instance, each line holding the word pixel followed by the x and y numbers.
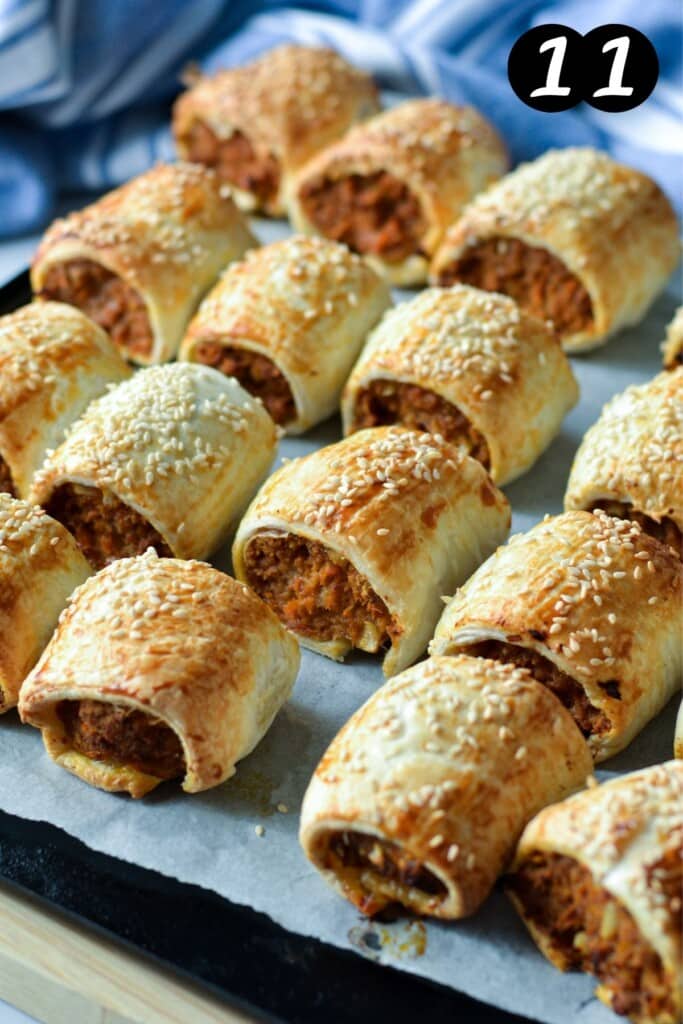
pixel 237 953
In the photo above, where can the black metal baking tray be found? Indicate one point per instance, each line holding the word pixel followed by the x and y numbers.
pixel 238 954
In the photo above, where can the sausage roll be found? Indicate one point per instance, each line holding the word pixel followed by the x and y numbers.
pixel 169 459
pixel 597 880
pixel 354 544
pixel 421 797
pixel 673 346
pixel 289 322
pixel 591 605
pixel 40 565
pixel 574 238
pixel 159 669
pixel 53 362
pixel 678 734
pixel 258 124
pixel 390 188
pixel 630 462
pixel 139 260
pixel 470 366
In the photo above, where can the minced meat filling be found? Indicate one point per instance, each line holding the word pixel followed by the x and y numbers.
pixel 316 592
pixel 383 402
pixel 665 531
pixel 235 161
pixel 123 735
pixel 6 482
pixel 103 529
pixel 106 299
pixel 374 213
pixel 593 932
pixel 536 279
pixel 256 373
pixel 590 720
pixel 365 863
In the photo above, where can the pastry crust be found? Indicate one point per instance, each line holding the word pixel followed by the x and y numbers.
pixel 304 303
pixel 443 154
pixel 609 225
pixel 53 362
pixel 634 453
pixel 678 735
pixel 179 641
pixel 620 832
pixel 182 445
pixel 499 367
pixel 672 348
pixel 167 234
pixel 411 514
pixel 594 596
pixel 40 566
pixel 289 103
pixel 447 762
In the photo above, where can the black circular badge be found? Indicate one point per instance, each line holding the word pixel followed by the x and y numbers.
pixel 620 68
pixel 544 68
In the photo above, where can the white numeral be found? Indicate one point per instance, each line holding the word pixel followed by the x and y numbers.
pixel 552 85
pixel 615 86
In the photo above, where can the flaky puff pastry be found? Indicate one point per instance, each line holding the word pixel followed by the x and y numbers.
pixel 436 775
pixel 633 455
pixel 443 154
pixel 181 445
pixel 40 565
pixel 599 601
pixel 503 370
pixel 628 836
pixel 610 226
pixel 53 362
pixel 306 304
pixel 167 234
pixel 287 104
pixel 673 346
pixel 180 642
pixel 406 510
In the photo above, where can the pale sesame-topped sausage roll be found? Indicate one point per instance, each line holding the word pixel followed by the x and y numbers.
pixel 673 346
pixel 591 605
pixel 354 544
pixel 169 460
pixel 138 260
pixel 390 188
pixel 421 797
pixel 288 322
pixel 630 462
pixel 53 362
pixel 40 565
pixel 598 882
pixel 470 366
pixel 159 669
pixel 574 238
pixel 258 124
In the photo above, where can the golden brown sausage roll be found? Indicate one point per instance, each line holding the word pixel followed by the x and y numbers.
pixel 574 238
pixel 167 460
pixel 139 260
pixel 289 322
pixel 160 669
pixel 630 462
pixel 421 797
pixel 258 124
pixel 470 366
pixel 673 346
pixel 53 362
pixel 591 605
pixel 390 188
pixel 354 544
pixel 40 566
pixel 597 880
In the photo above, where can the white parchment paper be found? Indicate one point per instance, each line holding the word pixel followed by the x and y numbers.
pixel 210 840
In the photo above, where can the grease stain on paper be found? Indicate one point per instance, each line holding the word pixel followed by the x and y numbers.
pixel 402 940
